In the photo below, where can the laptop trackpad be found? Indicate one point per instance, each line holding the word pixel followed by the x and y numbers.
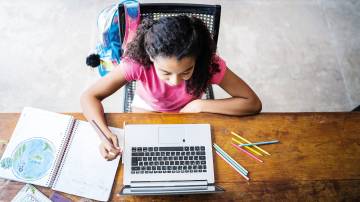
pixel 171 135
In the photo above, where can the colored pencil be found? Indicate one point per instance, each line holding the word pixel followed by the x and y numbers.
pixel 249 148
pixel 259 143
pixel 247 178
pixel 225 155
pixel 247 141
pixel 246 152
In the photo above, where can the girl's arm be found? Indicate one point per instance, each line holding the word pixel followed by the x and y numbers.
pixel 93 109
pixel 244 101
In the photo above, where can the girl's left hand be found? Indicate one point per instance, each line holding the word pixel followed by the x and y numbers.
pixel 192 107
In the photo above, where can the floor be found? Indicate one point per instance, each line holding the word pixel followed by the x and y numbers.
pixel 298 55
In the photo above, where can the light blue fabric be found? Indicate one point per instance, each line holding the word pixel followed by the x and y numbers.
pixel 109 47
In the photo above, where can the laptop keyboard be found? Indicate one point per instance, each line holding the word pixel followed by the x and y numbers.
pixel 149 160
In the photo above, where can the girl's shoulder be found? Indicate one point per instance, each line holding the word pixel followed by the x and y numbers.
pixel 131 68
pixel 129 61
pixel 220 71
pixel 218 60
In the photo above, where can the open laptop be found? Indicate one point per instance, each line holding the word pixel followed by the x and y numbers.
pixel 168 159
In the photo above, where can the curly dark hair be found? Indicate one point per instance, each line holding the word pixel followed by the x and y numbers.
pixel 180 36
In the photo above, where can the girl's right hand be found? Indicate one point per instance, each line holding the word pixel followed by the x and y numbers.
pixel 110 151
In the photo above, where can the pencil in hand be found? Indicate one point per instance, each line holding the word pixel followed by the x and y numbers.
pixel 111 148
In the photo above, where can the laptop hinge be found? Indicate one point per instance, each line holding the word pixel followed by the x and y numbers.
pixel 168 183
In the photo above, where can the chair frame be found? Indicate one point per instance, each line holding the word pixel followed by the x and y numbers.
pixel 173 8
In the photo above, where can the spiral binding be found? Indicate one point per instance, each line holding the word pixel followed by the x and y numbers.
pixel 60 156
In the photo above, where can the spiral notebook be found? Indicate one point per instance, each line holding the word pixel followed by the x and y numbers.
pixel 57 151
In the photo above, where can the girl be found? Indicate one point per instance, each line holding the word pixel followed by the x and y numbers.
pixel 174 60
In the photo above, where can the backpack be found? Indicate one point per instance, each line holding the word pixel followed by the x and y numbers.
pixel 108 51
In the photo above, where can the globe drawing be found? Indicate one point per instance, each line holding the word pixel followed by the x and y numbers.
pixel 32 159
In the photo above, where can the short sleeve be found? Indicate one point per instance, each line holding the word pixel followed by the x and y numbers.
pixel 132 70
pixel 218 76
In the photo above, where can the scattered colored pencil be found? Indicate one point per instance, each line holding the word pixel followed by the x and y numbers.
pixel 246 177
pixel 260 143
pixel 224 154
pixel 241 170
pixel 249 148
pixel 245 140
pixel 246 152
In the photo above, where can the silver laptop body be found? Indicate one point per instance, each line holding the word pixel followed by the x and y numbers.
pixel 168 159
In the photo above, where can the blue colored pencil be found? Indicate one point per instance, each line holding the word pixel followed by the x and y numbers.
pixel 233 165
pixel 225 155
pixel 242 174
pixel 231 161
pixel 259 143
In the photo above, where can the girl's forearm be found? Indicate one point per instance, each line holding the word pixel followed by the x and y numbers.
pixel 94 110
pixel 232 106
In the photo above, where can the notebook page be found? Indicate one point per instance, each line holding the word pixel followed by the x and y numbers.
pixel 84 171
pixel 30 193
pixel 34 146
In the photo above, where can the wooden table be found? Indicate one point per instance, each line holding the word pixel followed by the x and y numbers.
pixel 318 157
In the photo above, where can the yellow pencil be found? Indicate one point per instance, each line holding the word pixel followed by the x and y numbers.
pixel 247 147
pixel 243 139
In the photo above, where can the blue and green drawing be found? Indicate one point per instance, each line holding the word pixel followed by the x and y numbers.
pixel 31 159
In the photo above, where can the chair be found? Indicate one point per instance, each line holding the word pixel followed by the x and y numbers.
pixel 356 109
pixel 210 14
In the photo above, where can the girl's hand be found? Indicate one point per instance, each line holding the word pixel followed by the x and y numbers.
pixel 192 107
pixel 110 151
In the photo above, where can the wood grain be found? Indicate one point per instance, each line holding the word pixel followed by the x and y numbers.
pixel 317 158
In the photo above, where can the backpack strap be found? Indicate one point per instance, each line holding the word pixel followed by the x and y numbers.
pixel 132 20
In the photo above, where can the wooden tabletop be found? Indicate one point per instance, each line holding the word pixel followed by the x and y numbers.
pixel 318 157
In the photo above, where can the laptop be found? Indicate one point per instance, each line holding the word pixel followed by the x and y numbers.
pixel 165 159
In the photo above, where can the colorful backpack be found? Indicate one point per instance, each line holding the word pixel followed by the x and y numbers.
pixel 108 51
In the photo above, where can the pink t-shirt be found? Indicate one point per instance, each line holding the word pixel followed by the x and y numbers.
pixel 157 93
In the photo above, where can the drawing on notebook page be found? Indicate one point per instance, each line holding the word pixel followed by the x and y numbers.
pixel 59 152
pixel 30 194
pixel 31 159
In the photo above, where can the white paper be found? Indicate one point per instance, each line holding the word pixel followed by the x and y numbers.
pixel 30 194
pixel 85 172
pixel 34 146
